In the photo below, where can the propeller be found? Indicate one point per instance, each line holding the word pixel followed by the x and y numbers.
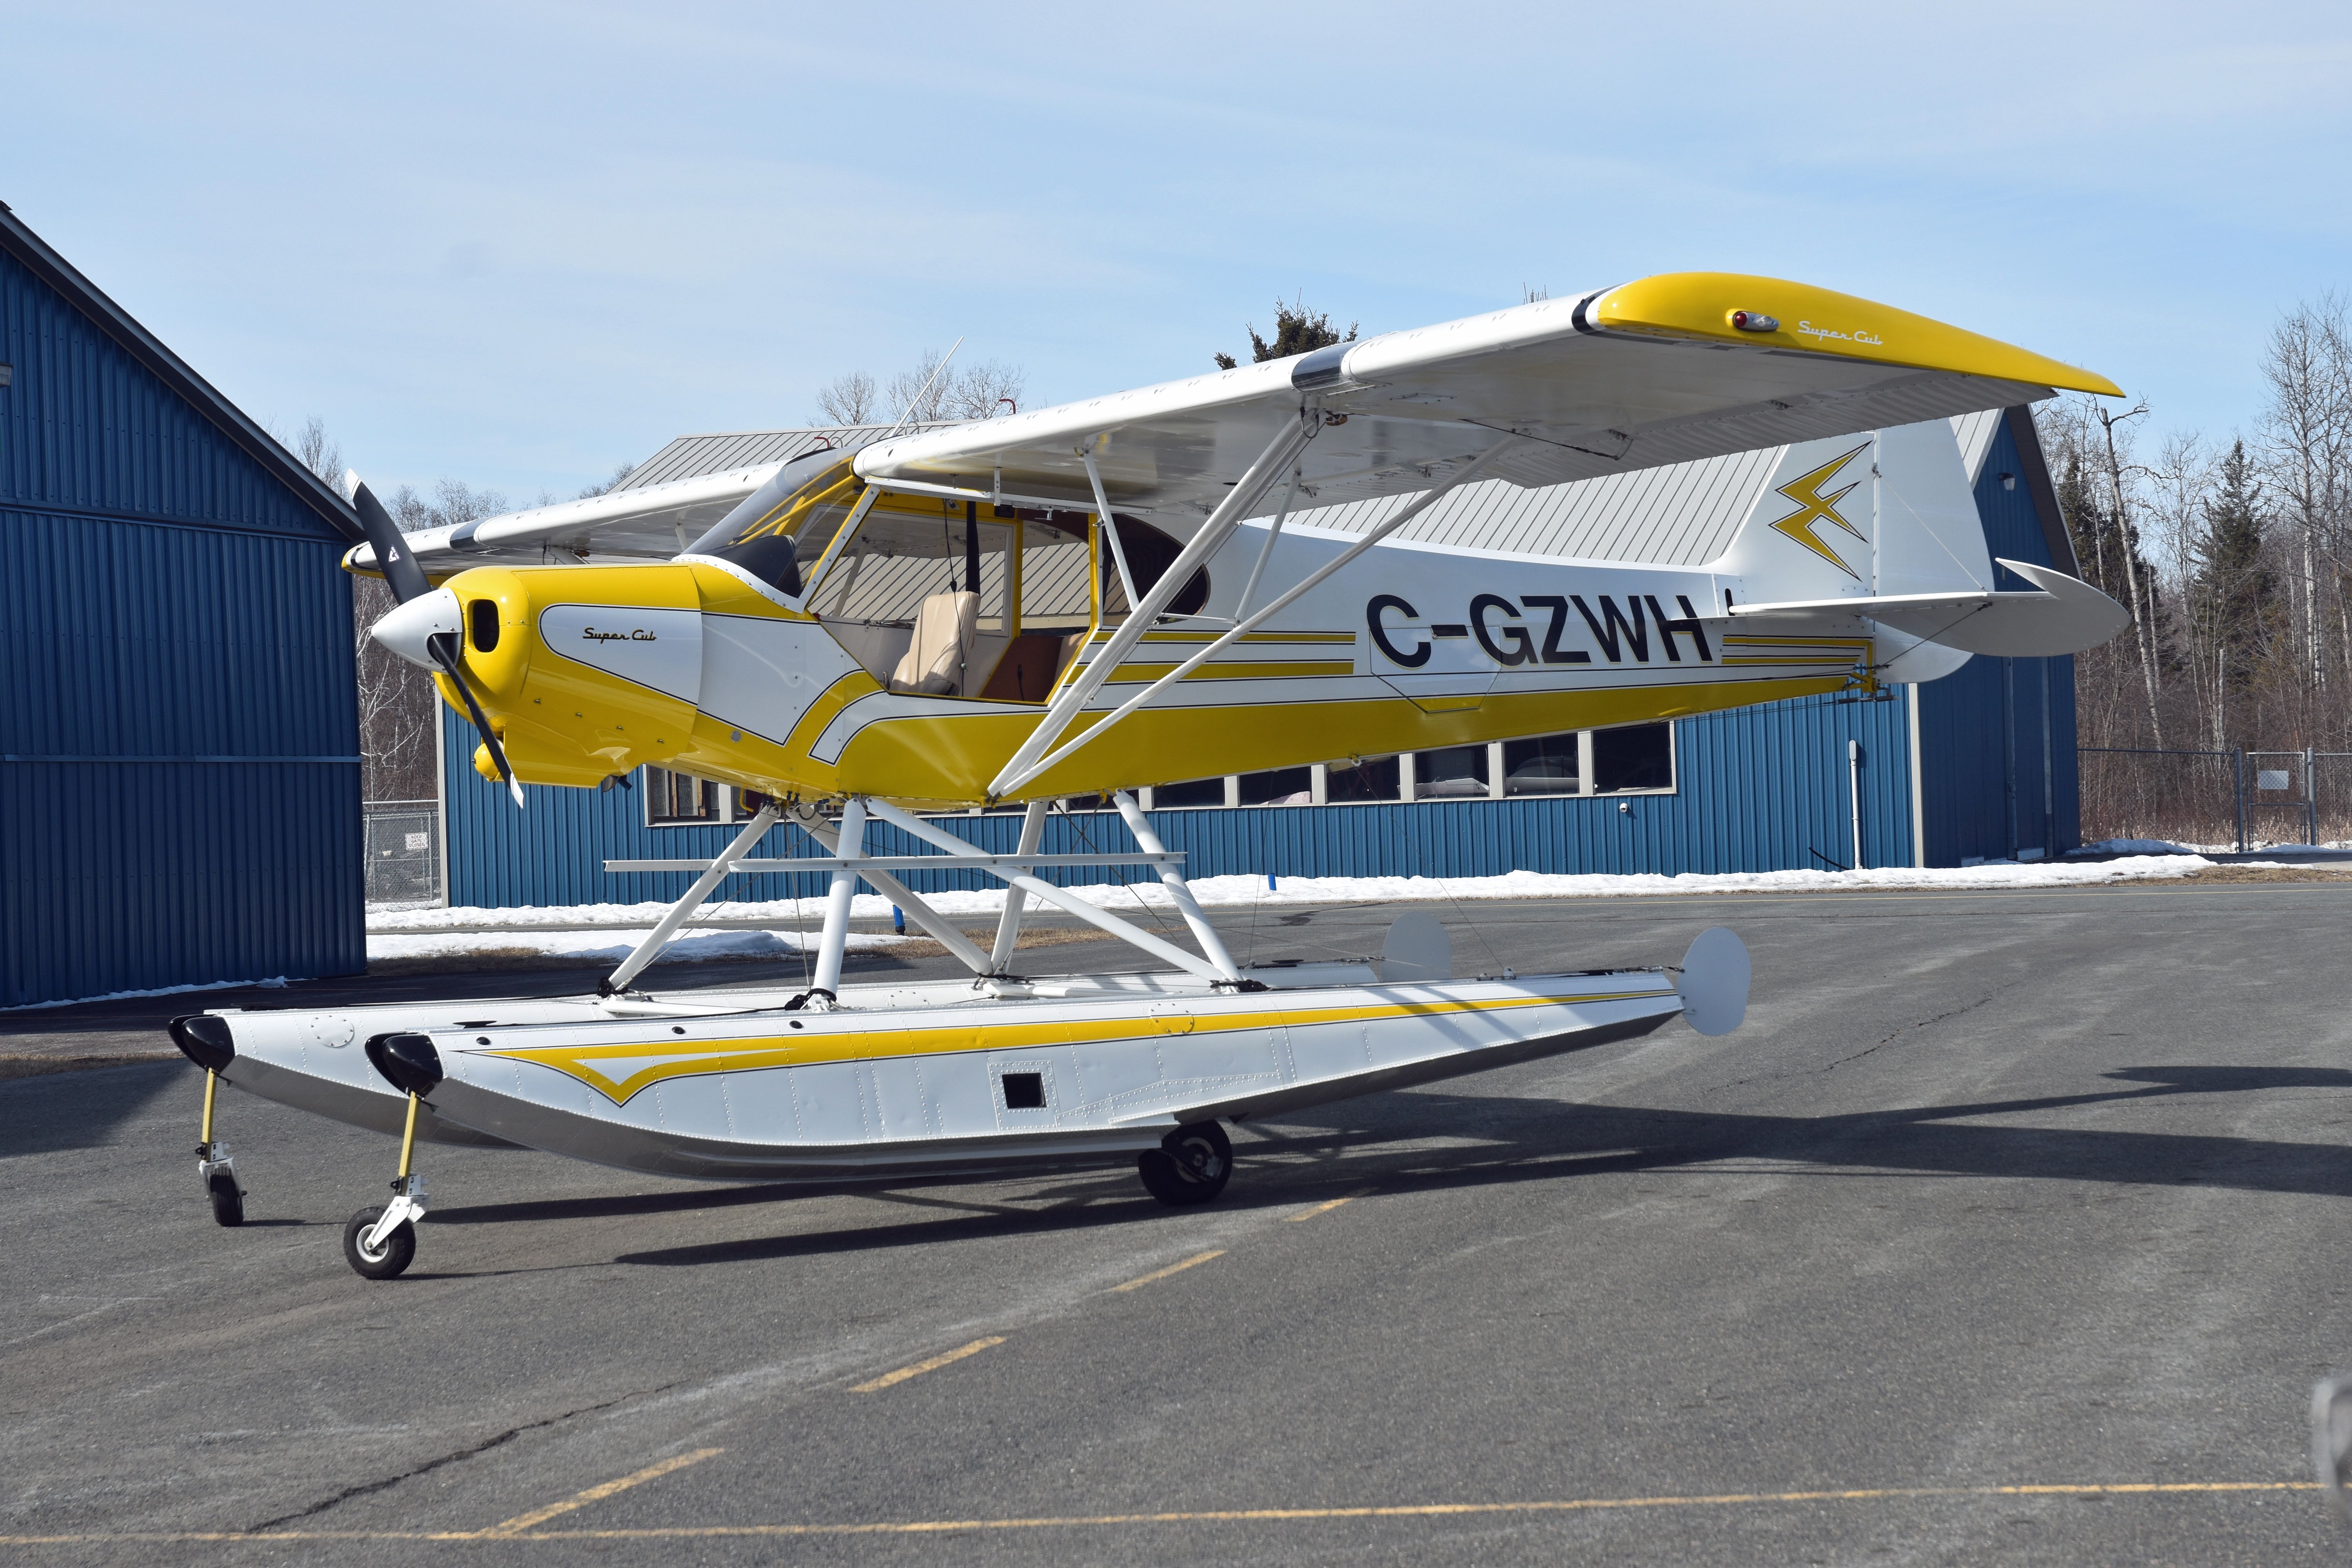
pixel 408 583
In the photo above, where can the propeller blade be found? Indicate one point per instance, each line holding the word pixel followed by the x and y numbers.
pixel 391 557
pixel 444 648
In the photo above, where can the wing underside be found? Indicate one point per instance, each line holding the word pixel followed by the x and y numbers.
pixel 1619 380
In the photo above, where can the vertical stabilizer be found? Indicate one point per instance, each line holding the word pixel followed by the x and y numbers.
pixel 1866 516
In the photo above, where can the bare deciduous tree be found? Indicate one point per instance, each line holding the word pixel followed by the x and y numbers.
pixel 2142 604
pixel 919 395
pixel 851 399
pixel 983 391
pixel 923 393
pixel 604 487
pixel 2307 453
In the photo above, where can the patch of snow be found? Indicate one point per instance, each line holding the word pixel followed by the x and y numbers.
pixel 609 944
pixel 273 984
pixel 2135 846
pixel 800 923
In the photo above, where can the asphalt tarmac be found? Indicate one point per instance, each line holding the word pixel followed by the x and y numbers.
pixel 2007 1231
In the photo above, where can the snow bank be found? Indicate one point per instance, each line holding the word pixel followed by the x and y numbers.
pixel 799 921
pixel 610 946
pixel 2136 847
pixel 273 984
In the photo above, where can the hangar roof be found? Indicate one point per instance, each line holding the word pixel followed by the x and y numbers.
pixel 691 457
pixel 1677 515
pixel 37 255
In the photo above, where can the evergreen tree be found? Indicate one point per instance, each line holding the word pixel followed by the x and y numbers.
pixel 2237 591
pixel 1297 331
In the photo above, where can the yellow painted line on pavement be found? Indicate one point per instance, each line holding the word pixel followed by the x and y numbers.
pixel 1172 1268
pixel 891 1379
pixel 523 1521
pixel 1314 1209
pixel 1200 1516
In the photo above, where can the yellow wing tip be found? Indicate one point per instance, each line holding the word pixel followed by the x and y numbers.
pixel 1801 316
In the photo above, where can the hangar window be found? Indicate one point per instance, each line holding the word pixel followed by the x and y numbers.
pixel 1635 759
pixel 1638 757
pixel 1374 778
pixel 1283 787
pixel 674 800
pixel 1457 773
pixel 1545 764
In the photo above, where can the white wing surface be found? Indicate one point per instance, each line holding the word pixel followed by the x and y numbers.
pixel 1661 371
pixel 653 522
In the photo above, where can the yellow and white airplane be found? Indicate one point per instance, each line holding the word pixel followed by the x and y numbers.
pixel 1117 593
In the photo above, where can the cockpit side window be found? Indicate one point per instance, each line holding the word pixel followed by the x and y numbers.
pixel 782 530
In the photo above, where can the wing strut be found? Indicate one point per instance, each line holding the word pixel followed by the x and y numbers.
pixel 1110 527
pixel 1008 781
pixel 1280 452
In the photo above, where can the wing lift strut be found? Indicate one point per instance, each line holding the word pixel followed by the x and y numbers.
pixel 844 841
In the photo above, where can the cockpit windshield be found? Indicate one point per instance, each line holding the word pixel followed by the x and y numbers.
pixel 781 529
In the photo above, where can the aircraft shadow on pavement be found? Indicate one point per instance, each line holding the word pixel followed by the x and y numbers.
pixel 1530 1139
pixel 55 1111
pixel 1302 1156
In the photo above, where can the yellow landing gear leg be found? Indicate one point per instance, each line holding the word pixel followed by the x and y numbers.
pixel 379 1243
pixel 205 1038
pixel 215 1166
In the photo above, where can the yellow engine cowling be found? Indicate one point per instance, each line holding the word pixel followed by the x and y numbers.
pixel 562 720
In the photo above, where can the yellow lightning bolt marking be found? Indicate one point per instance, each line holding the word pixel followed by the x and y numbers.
pixel 1813 507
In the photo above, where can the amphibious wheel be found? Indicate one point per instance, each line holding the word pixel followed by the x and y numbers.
pixel 389 1258
pixel 228 1204
pixel 1190 1165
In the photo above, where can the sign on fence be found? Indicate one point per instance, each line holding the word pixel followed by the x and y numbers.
pixel 402 851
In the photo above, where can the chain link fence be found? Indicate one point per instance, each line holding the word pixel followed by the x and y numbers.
pixel 2216 800
pixel 403 851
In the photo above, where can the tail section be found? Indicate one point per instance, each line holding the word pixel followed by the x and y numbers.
pixel 1879 514
pixel 1879 533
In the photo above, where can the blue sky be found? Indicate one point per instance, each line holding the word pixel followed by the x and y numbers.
pixel 516 244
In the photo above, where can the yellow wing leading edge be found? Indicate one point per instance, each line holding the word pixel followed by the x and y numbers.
pixel 1818 320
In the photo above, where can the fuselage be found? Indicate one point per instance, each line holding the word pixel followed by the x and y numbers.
pixel 590 671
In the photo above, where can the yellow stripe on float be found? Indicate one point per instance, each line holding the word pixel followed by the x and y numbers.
pixel 857 1045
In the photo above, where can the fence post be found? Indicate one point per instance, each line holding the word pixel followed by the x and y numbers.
pixel 2242 800
pixel 2310 801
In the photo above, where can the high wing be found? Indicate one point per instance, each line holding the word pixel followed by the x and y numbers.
pixel 653 522
pixel 1663 370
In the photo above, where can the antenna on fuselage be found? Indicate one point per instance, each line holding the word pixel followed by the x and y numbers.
pixel 915 401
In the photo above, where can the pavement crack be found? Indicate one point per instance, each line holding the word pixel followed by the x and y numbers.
pixel 485 1446
pixel 1842 1061
pixel 1923 1023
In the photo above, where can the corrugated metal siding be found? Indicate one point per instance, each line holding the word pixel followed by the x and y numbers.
pixel 691 457
pixel 1991 785
pixel 1761 789
pixel 161 597
pixel 123 877
pixel 85 426
pixel 1975 434
pixel 1676 516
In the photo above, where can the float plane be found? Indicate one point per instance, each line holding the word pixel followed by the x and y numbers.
pixel 1112 593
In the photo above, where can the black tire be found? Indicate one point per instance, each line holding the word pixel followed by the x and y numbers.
pixel 399 1248
pixel 1192 1165
pixel 229 1203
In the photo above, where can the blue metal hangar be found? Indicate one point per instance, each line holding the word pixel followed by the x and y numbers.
pixel 1978 765
pixel 179 738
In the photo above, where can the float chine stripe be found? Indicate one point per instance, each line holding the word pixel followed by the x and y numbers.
pixel 685 1060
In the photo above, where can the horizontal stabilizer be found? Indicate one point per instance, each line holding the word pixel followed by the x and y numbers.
pixel 2059 615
